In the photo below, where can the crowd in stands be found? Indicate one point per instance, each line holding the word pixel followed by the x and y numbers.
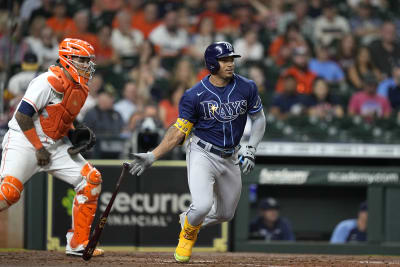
pixel 317 61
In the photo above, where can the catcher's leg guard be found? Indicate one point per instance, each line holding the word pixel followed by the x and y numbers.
pixel 187 239
pixel 10 192
pixel 83 211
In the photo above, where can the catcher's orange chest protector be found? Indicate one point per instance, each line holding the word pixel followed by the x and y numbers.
pixel 60 116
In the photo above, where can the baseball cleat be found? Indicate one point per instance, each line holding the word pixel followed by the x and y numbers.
pixel 78 251
pixel 187 239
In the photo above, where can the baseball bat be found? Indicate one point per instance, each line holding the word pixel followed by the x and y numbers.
pixel 94 239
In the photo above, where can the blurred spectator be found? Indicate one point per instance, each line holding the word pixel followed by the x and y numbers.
pixel 393 81
pixel 35 31
pixel 269 225
pixel 169 107
pixel 269 13
pixel 289 101
pixel 324 67
pixel 315 8
pixel 298 15
pixel 168 37
pixel 45 10
pixel 183 73
pixel 101 13
pixel 352 230
pixel 149 130
pixel 303 75
pixel 27 7
pixel 380 4
pixel 80 28
pixel 95 84
pixel 330 26
pixel 47 48
pixel 126 40
pixel 204 37
pixel 105 55
pixel 364 24
pixel 103 119
pixel 128 104
pixel 249 47
pixel 361 67
pixel 385 52
pixel 147 20
pixel 59 22
pixel 222 22
pixel 282 47
pixel 322 103
pixel 367 103
pixel 256 74
pixel 347 48
pixel 393 92
pixel 20 81
pixel 12 48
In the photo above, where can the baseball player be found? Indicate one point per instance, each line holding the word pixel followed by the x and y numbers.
pixel 217 108
pixel 41 137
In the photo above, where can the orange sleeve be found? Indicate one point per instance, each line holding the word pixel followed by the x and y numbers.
pixel 32 136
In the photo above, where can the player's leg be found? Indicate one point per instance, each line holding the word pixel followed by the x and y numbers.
pixel 201 178
pixel 87 184
pixel 18 164
pixel 228 187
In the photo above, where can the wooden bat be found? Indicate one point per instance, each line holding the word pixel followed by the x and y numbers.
pixel 91 246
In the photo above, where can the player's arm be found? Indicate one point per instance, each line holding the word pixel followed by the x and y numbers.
pixel 24 119
pixel 257 128
pixel 175 135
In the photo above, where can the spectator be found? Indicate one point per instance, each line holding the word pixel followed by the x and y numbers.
pixel 283 46
pixel 184 74
pixel 361 67
pixel 256 74
pixel 125 40
pixel 169 107
pixel 269 225
pixel 393 81
pixel 105 55
pixel 47 48
pixel 79 28
pixel 101 14
pixel 347 48
pixel 352 230
pixel 103 119
pixel 149 130
pixel 298 15
pixel 20 81
pixel 303 75
pixel 385 52
pixel 169 38
pixel 367 103
pixel 128 104
pixel 364 25
pixel 289 101
pixel 147 20
pixel 322 103
pixel 95 84
pixel 393 93
pixel 324 67
pixel 249 47
pixel 45 10
pixel 35 30
pixel 59 22
pixel 330 26
pixel 222 22
pixel 204 37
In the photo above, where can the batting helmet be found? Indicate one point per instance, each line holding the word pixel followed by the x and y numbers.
pixel 215 51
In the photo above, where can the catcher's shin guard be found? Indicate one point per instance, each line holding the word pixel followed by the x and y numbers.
pixel 10 192
pixel 85 205
pixel 187 239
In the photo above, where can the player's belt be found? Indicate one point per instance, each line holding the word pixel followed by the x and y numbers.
pixel 223 153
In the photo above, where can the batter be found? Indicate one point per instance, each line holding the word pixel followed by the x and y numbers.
pixel 35 140
pixel 217 107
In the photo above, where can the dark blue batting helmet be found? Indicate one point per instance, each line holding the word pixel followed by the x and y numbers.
pixel 215 51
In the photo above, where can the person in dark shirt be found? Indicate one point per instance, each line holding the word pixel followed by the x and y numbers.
pixel 289 101
pixel 269 225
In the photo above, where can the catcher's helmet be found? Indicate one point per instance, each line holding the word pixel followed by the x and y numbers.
pixel 215 51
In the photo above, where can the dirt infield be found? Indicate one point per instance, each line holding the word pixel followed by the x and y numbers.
pixel 49 258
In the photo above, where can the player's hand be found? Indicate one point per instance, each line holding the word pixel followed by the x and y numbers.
pixel 141 161
pixel 43 157
pixel 247 159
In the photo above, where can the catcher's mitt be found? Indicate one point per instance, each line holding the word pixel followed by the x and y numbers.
pixel 82 139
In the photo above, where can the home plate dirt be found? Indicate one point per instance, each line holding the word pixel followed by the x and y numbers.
pixel 52 258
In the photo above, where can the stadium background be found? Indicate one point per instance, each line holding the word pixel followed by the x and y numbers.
pixel 346 153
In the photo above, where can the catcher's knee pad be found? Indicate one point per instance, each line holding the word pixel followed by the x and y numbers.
pixel 85 204
pixel 10 191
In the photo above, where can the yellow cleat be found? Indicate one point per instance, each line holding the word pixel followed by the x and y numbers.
pixel 187 239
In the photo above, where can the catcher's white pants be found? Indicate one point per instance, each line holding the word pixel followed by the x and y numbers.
pixel 19 159
pixel 215 185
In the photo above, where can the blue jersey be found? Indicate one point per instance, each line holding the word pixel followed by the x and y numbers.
pixel 219 114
